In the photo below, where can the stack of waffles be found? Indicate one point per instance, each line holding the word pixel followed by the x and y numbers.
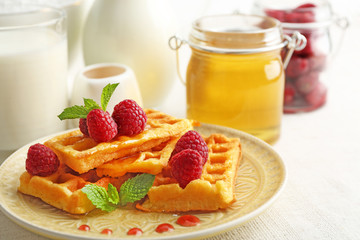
pixel 83 161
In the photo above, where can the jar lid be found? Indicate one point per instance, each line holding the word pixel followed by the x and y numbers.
pixel 236 33
pixel 298 14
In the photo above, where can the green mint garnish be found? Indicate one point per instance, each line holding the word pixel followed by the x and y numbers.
pixel 89 104
pixel 100 197
pixel 136 188
pixel 73 112
pixel 106 94
pixel 113 194
pixel 132 190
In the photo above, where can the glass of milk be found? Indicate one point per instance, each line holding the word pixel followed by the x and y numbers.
pixel 76 12
pixel 33 73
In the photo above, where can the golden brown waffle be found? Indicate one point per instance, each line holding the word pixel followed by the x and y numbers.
pixel 63 189
pixel 151 161
pixel 83 154
pixel 215 189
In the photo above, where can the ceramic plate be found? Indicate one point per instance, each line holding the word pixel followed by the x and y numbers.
pixel 260 179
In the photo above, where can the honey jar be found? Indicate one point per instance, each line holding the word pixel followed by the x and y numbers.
pixel 235 75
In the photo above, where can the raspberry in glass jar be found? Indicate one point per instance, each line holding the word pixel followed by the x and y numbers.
pixel 305 75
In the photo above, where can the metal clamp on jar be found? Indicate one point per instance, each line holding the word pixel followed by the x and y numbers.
pixel 235 76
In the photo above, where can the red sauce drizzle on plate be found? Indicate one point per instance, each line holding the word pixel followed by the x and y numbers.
pixel 135 231
pixel 164 227
pixel 84 228
pixel 107 231
pixel 188 221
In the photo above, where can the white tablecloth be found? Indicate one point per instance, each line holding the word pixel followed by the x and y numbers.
pixel 321 151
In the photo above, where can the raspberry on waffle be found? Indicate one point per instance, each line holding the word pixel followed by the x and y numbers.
pixel 82 153
pixel 63 188
pixel 150 161
pixel 213 191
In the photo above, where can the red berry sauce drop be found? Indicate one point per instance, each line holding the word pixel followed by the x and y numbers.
pixel 164 227
pixel 188 221
pixel 135 231
pixel 84 228
pixel 107 231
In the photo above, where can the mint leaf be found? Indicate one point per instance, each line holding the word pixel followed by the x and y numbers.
pixel 73 112
pixel 136 188
pixel 99 197
pixel 113 194
pixel 78 111
pixel 132 190
pixel 90 104
pixel 107 91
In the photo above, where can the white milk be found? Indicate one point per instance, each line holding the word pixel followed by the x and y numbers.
pixel 33 85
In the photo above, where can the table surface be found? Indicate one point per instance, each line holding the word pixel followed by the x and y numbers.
pixel 321 199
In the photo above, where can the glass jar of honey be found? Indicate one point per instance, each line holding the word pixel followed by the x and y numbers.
pixel 235 76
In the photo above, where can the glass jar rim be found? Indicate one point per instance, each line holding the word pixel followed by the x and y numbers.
pixel 236 33
pixel 11 10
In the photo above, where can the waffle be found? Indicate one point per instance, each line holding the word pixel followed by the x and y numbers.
pixel 63 188
pixel 82 153
pixel 213 191
pixel 151 161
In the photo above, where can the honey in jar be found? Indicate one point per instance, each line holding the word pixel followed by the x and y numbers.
pixel 235 76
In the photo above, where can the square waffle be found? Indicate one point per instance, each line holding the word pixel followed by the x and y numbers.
pixel 151 161
pixel 63 188
pixel 213 191
pixel 82 153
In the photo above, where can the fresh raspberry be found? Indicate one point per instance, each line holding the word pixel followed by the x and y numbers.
pixel 275 13
pixel 317 97
pixel 83 126
pixel 192 140
pixel 307 83
pixel 186 166
pixel 306 5
pixel 41 160
pixel 297 66
pixel 318 62
pixel 289 93
pixel 130 117
pixel 102 128
pixel 299 16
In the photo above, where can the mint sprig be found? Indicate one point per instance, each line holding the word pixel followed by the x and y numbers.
pixel 132 190
pixel 89 104
pixel 106 94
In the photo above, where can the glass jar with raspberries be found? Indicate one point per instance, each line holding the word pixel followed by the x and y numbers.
pixel 306 82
